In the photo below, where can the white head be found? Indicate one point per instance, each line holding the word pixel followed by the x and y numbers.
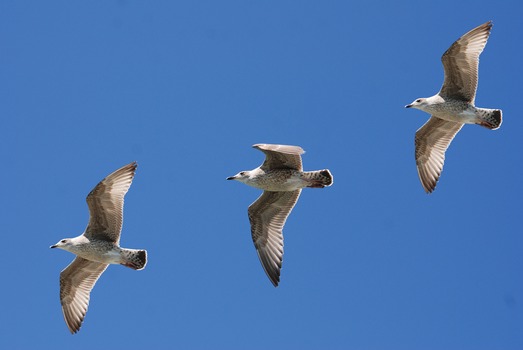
pixel 420 103
pixel 65 244
pixel 242 176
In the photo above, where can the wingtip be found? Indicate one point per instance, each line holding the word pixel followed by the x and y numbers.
pixel 428 185
pixel 429 190
pixel 287 149
pixel 72 324
pixel 74 331
pixel 485 27
pixel 274 276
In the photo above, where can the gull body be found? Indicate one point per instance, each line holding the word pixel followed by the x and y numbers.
pixel 98 246
pixel 100 251
pixel 278 180
pixel 457 111
pixel 453 106
pixel 282 178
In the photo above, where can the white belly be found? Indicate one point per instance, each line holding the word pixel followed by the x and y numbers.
pixel 107 257
pixel 468 116
pixel 112 257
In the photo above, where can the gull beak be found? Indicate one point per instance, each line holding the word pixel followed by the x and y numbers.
pixel 53 246
pixel 408 106
pixel 231 178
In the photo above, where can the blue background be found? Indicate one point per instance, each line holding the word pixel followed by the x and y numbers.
pixel 185 88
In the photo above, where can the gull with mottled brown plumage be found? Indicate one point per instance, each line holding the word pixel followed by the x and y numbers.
pixel 98 246
pixel 281 176
pixel 453 106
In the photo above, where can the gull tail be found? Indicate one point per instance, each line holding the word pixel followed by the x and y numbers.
pixel 134 258
pixel 319 178
pixel 489 118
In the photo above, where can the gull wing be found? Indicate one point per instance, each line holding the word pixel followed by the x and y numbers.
pixel 281 157
pixel 76 282
pixel 432 140
pixel 460 63
pixel 267 216
pixel 105 204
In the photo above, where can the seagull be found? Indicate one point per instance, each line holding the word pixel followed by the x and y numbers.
pixel 98 246
pixel 281 177
pixel 453 105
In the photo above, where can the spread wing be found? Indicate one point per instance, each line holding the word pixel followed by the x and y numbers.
pixel 76 282
pixel 432 140
pixel 267 216
pixel 460 63
pixel 281 157
pixel 105 204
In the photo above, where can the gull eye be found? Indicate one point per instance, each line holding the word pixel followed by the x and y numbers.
pixel 242 173
pixel 63 241
pixel 418 100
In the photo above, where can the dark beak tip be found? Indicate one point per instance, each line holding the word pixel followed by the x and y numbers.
pixel 408 106
pixel 53 246
pixel 230 178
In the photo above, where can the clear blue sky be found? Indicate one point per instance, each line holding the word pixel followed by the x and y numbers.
pixel 185 89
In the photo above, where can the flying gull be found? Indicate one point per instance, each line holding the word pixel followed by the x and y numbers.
pixel 453 105
pixel 281 177
pixel 98 246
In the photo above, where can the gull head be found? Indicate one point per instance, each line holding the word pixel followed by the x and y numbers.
pixel 64 244
pixel 419 103
pixel 242 176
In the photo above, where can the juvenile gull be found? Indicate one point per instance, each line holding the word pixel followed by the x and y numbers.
pixel 98 246
pixel 281 176
pixel 453 105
